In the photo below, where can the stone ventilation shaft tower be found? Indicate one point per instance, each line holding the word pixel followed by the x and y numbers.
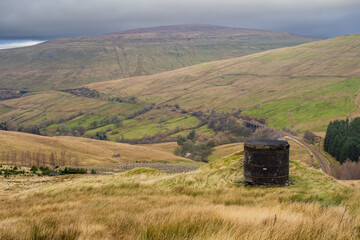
pixel 266 162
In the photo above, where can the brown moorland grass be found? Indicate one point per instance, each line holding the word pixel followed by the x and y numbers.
pixel 305 86
pixel 90 152
pixel 225 150
pixel 71 62
pixel 210 203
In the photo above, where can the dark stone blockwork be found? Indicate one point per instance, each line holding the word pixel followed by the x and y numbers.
pixel 266 162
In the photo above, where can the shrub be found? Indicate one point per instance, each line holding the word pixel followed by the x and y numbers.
pixel 69 170
pixel 191 135
pixel 349 170
pixel 79 130
pixel 181 141
pixel 310 136
pixel 34 169
pixel 44 170
pixel 194 150
pixel 289 130
pixel 267 133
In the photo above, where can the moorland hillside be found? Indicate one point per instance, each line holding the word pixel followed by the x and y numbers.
pixel 71 62
pixel 303 87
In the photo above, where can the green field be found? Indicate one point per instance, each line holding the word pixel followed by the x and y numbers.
pixel 305 85
pixel 280 113
pixel 59 113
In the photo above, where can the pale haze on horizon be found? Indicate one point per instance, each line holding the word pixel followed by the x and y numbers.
pixel 17 44
pixel 42 20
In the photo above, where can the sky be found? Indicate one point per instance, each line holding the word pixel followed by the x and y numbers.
pixel 38 20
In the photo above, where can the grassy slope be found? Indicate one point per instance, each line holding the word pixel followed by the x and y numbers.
pixel 204 204
pixel 225 150
pixel 36 108
pixel 303 86
pixel 90 152
pixel 64 63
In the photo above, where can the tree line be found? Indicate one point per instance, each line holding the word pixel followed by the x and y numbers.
pixel 38 158
pixel 342 140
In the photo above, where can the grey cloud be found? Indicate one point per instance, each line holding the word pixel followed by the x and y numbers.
pixel 44 19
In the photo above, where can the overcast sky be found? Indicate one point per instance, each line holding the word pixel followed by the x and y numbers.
pixel 47 19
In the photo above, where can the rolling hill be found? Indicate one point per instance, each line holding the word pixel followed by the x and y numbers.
pixel 60 113
pixel 88 152
pixel 66 63
pixel 303 87
pixel 209 203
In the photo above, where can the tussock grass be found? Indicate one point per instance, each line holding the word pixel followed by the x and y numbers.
pixel 208 203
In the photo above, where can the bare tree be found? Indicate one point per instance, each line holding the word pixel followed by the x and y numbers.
pixel 22 158
pixel 349 170
pixel 289 130
pixel 267 133
pixel 310 136
pixel 43 159
pixel 7 158
pixel 33 160
pixel 62 158
pixel 52 159
pixel 28 158
pixel 14 157
pixel 38 156
pixel 76 161
pixel 3 157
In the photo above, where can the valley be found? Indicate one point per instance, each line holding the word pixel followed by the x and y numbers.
pixel 140 135
pixel 273 84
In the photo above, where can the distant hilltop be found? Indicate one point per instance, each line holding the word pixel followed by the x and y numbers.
pixel 71 62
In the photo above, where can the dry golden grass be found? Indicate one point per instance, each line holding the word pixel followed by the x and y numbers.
pixel 167 147
pixel 225 150
pixel 90 152
pixel 204 204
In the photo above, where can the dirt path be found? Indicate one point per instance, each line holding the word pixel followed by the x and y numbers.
pixel 292 119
